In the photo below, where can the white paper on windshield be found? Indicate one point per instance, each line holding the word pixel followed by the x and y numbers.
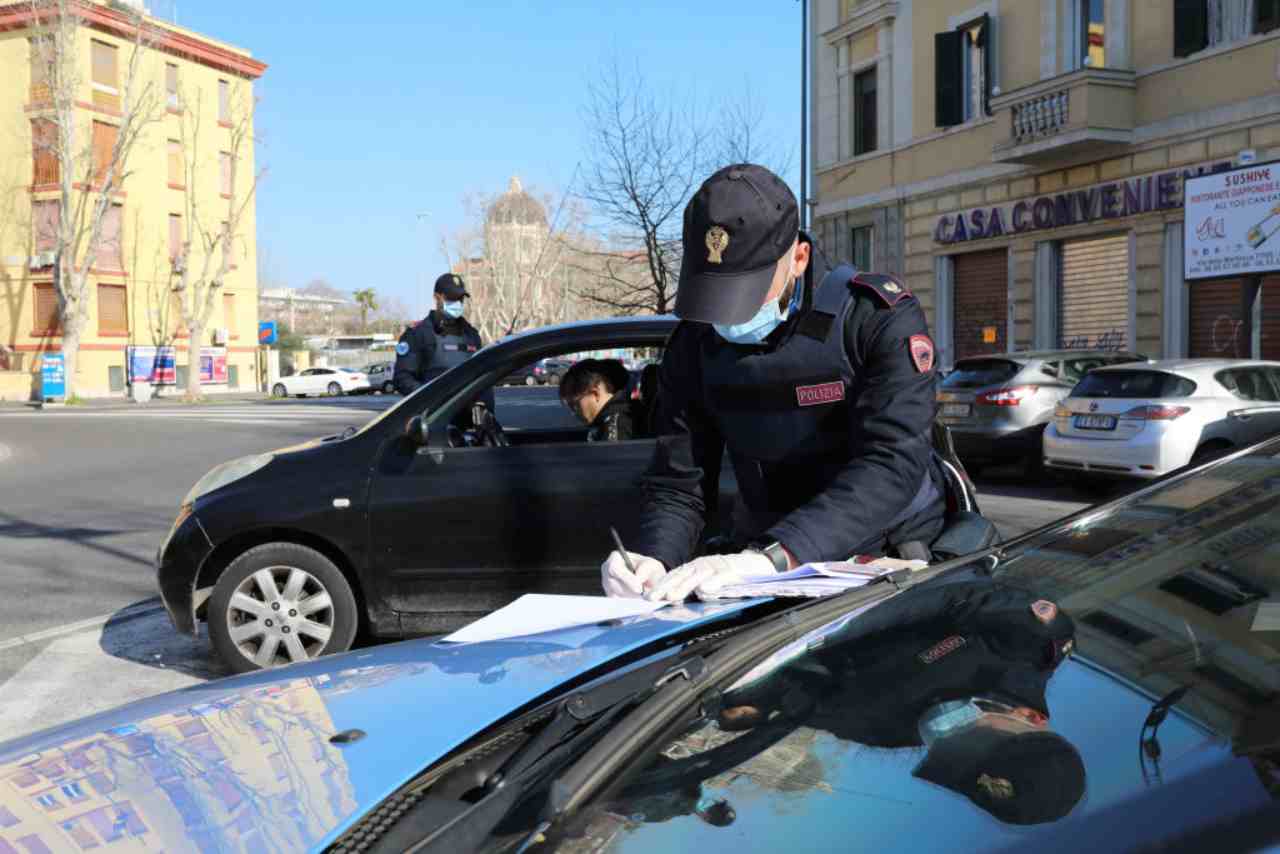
pixel 533 613
pixel 813 580
pixel 1267 618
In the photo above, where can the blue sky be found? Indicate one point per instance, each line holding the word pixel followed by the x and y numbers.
pixel 372 114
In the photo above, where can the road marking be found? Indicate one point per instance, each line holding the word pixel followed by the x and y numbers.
pixel 142 609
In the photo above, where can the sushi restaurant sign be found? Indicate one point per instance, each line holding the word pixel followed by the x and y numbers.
pixel 1160 191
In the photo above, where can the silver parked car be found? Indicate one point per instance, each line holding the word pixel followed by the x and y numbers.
pixel 997 406
pixel 1147 420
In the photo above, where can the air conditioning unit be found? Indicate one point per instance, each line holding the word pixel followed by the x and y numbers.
pixel 41 260
pixel 220 336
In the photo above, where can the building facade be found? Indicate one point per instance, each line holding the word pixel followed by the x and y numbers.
pixel 1020 164
pixel 130 299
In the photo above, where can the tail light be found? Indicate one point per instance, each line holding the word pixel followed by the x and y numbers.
pixel 1157 413
pixel 1061 411
pixel 1007 396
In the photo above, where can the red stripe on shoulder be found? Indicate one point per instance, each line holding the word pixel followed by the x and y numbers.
pixel 886 287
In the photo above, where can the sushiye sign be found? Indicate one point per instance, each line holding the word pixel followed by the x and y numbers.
pixel 1232 223
pixel 1159 191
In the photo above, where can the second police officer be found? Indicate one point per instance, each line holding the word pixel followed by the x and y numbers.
pixel 820 384
pixel 442 340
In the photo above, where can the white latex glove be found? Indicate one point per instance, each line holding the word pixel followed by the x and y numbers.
pixel 706 575
pixel 618 580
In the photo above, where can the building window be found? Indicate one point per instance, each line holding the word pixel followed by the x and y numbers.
pixel 105 72
pixel 7 819
pixel 113 315
pixel 175 236
pixel 104 146
pixel 1266 15
pixel 224 101
pixel 110 254
pixel 171 86
pixel 862 248
pixel 44 153
pixel 33 844
pixel 176 177
pixel 45 301
pixel 1092 51
pixel 49 801
pixel 1198 24
pixel 39 71
pixel 228 312
pixel 46 217
pixel 224 165
pixel 72 790
pixel 962 73
pixel 864 112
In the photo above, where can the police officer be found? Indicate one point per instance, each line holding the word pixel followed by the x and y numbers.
pixel 820 383
pixel 444 339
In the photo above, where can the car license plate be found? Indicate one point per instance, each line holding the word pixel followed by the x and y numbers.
pixel 1096 422
pixel 955 410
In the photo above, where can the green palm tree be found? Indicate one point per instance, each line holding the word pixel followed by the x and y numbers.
pixel 367 299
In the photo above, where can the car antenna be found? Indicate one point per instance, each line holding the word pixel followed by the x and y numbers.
pixel 1149 746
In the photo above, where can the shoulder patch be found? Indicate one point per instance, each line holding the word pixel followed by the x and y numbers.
pixel 921 347
pixel 402 348
pixel 886 287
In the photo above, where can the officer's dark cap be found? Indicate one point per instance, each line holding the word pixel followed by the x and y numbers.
pixel 736 227
pixel 450 287
pixel 1028 777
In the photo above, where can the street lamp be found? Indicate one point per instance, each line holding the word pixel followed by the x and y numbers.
pixel 422 268
pixel 804 113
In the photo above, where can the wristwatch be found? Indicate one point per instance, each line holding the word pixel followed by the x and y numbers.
pixel 773 550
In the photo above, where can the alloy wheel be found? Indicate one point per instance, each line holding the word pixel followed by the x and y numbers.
pixel 280 615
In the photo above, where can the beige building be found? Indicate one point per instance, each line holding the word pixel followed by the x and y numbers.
pixel 1021 163
pixel 140 257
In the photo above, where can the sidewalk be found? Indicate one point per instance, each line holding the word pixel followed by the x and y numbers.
pixel 173 399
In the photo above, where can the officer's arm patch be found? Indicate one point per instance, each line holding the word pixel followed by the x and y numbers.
pixel 402 348
pixel 886 287
pixel 921 347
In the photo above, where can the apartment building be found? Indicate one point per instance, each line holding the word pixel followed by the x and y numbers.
pixel 130 300
pixel 1021 163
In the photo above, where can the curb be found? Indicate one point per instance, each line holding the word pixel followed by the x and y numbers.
pixel 124 615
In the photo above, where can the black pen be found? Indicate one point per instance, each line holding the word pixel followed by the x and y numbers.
pixel 622 550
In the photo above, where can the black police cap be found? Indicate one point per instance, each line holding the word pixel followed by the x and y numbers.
pixel 1029 777
pixel 736 227
pixel 450 287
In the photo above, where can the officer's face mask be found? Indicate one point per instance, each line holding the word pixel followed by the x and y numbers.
pixel 767 319
pixel 453 309
pixel 959 716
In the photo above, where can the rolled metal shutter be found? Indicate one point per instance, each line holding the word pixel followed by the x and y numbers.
pixel 1271 317
pixel 1093 306
pixel 981 318
pixel 1219 320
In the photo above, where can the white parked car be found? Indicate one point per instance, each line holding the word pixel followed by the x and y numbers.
pixel 329 381
pixel 1145 420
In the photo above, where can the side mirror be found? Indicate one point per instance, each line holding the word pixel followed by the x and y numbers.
pixel 416 430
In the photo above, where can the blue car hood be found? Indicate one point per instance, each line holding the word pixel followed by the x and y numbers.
pixel 248 763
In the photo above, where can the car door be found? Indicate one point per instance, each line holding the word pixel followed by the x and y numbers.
pixel 1258 415
pixel 302 383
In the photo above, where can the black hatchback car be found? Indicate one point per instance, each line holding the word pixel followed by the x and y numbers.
pixel 415 523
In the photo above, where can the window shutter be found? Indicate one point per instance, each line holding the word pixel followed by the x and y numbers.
pixel 104 64
pixel 1190 26
pixel 175 236
pixel 110 254
pixel 171 84
pixel 104 143
pixel 113 313
pixel 985 43
pixel 229 312
pixel 44 140
pixel 175 163
pixel 39 72
pixel 948 78
pixel 224 101
pixel 224 161
pixel 45 217
pixel 46 306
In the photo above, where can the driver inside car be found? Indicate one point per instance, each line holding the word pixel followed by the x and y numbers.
pixel 595 391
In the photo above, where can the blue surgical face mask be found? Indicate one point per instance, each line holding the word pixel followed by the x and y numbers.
pixel 767 319
pixel 453 309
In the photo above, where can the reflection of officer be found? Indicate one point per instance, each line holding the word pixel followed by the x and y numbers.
pixel 958 667
pixel 819 383
pixel 444 339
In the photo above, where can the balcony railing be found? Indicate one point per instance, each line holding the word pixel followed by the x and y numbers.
pixel 1041 116
pixel 1088 109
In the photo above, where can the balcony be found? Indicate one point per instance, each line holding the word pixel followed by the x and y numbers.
pixel 1091 110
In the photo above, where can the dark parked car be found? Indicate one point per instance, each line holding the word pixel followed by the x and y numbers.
pixel 380 375
pixel 997 406
pixel 417 522
pixel 1107 683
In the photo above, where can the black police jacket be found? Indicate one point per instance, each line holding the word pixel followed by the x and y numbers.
pixel 827 426
pixel 431 347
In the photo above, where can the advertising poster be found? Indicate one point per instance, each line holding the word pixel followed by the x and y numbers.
pixel 213 365
pixel 155 365
pixel 1232 222
pixel 53 376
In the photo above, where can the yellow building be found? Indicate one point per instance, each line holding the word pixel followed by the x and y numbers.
pixel 1021 164
pixel 130 300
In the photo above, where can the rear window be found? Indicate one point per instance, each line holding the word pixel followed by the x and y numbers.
pixel 1135 384
pixel 975 373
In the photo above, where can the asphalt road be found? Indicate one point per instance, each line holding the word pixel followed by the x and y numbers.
pixel 89 492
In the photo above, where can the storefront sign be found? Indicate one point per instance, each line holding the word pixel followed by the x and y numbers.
pixel 53 376
pixel 213 364
pixel 1231 224
pixel 155 365
pixel 1113 200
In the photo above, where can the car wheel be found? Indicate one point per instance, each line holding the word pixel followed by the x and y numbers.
pixel 335 390
pixel 280 603
pixel 387 388
pixel 278 390
pixel 530 380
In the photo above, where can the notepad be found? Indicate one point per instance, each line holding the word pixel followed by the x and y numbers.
pixel 818 579
pixel 534 613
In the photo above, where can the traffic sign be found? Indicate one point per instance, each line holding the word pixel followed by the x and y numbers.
pixel 267 332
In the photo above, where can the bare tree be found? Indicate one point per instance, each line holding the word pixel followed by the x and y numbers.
pixel 91 161
pixel 208 234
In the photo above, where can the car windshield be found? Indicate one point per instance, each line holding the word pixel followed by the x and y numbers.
pixel 1014 708
pixel 976 373
pixel 1133 384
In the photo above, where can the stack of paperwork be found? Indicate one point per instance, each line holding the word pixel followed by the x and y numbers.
pixel 818 579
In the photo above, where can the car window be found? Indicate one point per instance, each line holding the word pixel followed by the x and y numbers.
pixel 975 373
pixel 1133 384
pixel 1248 383
pixel 1074 369
pixel 1050 369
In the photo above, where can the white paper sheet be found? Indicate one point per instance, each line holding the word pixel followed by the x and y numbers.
pixel 533 613
pixel 813 580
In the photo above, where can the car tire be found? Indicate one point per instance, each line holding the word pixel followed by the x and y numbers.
pixel 239 630
pixel 531 380
pixel 334 390
pixel 278 390
pixel 1209 451
pixel 387 388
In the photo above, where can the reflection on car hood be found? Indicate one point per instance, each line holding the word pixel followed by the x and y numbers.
pixel 249 762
